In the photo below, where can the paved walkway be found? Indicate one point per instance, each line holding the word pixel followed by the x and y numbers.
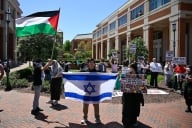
pixel 15 110
pixel 16 106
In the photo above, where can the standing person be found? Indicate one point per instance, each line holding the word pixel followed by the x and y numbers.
pixel 91 68
pixel 188 88
pixel 168 71
pixel 38 77
pixel 131 103
pixel 102 66
pixel 179 71
pixel 114 66
pixel 56 81
pixel 154 74
pixel 1 71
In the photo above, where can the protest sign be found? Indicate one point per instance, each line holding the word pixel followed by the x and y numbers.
pixel 134 83
pixel 179 60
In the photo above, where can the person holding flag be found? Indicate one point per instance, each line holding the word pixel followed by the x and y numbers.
pixel 91 68
pixel 38 77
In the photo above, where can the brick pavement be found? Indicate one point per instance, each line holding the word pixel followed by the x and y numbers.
pixel 16 107
pixel 15 110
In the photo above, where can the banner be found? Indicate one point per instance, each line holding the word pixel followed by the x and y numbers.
pixel 169 55
pixel 179 60
pixel 89 87
pixel 156 67
pixel 134 83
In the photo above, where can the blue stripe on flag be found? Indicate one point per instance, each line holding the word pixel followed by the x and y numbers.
pixel 88 98
pixel 88 77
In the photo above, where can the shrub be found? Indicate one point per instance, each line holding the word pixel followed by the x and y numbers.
pixel 15 81
pixel 25 73
pixel 21 83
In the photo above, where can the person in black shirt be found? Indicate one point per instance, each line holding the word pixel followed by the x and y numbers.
pixel 188 88
pixel 38 77
pixel 131 102
pixel 102 66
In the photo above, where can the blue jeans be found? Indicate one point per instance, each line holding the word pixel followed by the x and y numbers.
pixel 37 92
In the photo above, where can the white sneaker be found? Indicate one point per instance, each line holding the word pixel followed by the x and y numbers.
pixel 84 121
pixel 55 103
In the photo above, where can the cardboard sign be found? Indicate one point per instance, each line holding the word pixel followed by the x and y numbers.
pixel 134 83
pixel 179 60
pixel 114 54
pixel 169 55
pixel 156 67
pixel 132 48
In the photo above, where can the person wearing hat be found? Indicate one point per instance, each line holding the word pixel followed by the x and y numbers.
pixel 38 77
pixel 188 88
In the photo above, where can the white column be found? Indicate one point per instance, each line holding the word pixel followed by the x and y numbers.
pixel 108 47
pixel 96 51
pixel 116 43
pixel 128 38
pixel 102 49
pixel 146 35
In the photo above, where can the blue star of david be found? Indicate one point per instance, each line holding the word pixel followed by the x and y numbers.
pixel 89 88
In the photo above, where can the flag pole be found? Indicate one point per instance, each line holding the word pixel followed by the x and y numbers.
pixel 54 41
pixel 53 46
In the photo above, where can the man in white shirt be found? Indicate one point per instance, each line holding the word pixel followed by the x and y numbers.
pixel 155 69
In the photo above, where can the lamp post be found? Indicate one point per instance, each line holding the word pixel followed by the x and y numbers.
pixel 8 86
pixel 174 29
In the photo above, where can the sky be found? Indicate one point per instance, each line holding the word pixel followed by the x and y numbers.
pixel 76 16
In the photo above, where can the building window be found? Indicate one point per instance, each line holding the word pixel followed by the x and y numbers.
pixel 122 21
pixel 112 26
pixel 157 35
pixel 99 34
pixel 104 31
pixel 153 4
pixel 139 11
pixel 94 35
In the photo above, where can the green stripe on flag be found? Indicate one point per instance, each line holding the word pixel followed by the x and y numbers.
pixel 35 29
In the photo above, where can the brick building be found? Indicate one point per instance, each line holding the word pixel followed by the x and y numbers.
pixel 15 11
pixel 86 38
pixel 164 25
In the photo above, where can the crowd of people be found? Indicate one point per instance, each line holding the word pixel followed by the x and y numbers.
pixel 177 76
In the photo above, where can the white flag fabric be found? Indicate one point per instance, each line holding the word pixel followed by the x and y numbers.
pixel 89 87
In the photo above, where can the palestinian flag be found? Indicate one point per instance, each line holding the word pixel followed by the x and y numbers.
pixel 39 22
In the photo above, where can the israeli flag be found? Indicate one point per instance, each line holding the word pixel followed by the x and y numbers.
pixel 89 87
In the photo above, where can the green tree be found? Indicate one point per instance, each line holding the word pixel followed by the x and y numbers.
pixel 67 45
pixel 141 49
pixel 83 51
pixel 38 46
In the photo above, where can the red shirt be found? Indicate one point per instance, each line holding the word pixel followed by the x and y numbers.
pixel 180 69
